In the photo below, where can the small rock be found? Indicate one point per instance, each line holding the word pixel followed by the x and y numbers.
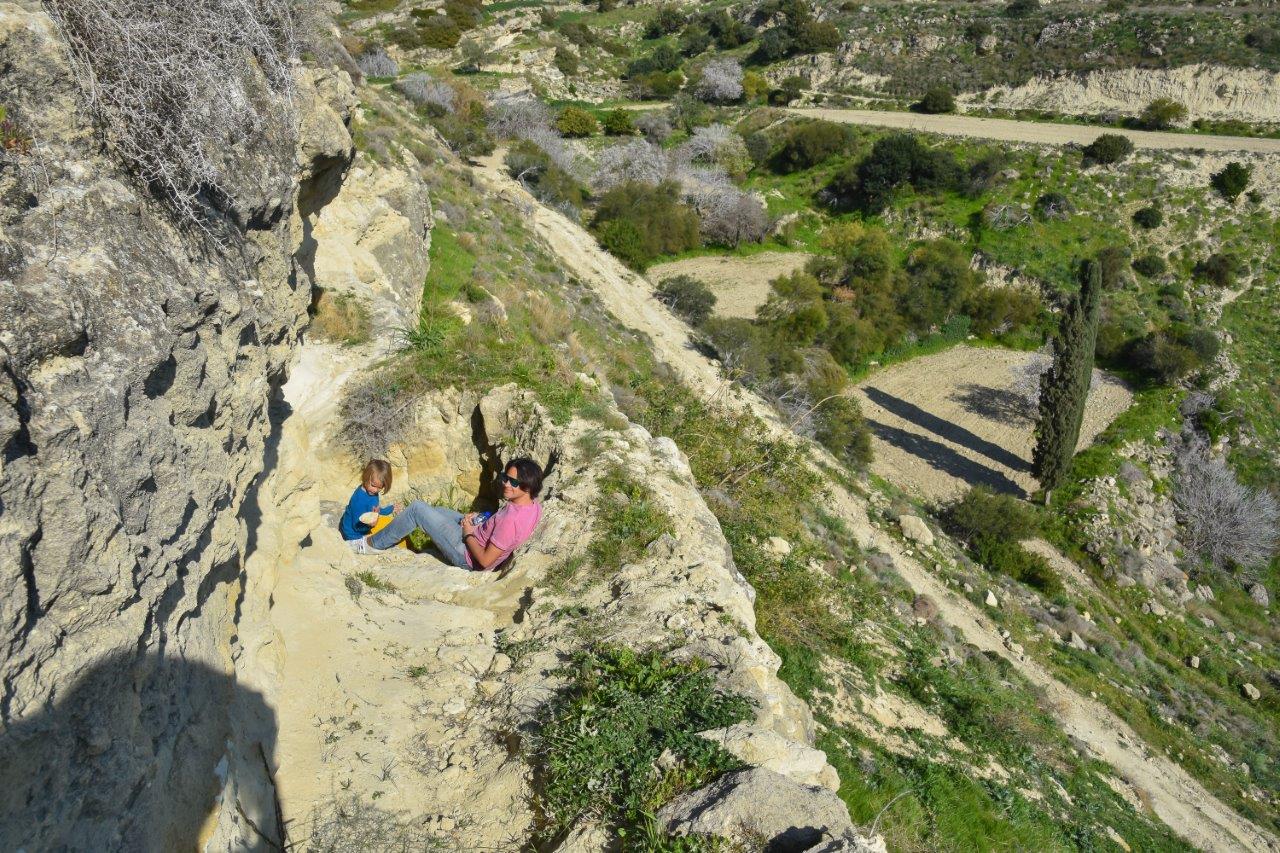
pixel 1208 623
pixel 1124 581
pixel 1155 608
pixel 987 44
pixel 777 546
pixel 1193 661
pixel 1204 593
pixel 1258 593
pixel 968 588
pixel 914 528
pixel 501 663
pixel 455 706
pixel 991 599
pixel 1250 692
pixel 490 688
pixel 1077 642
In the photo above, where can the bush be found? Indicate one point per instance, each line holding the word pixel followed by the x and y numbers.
pixel 439 32
pixel 597 745
pixel 175 86
pixel 790 89
pixel 1107 149
pixel 936 101
pixel 546 181
pixel 997 310
pixel 687 297
pixel 1054 206
pixel 815 37
pixel 465 137
pixel 1167 355
pixel 619 122
pixel 1232 180
pixel 464 13
pixel 576 122
pixel 808 144
pixel 566 61
pixel 666 19
pixel 1265 39
pixel 1149 217
pixel 1219 269
pixel 1225 523
pixel 993 525
pixel 374 62
pixel 694 40
pixel 664 59
pixel 340 318
pixel 939 282
pixel 893 161
pixel 1151 265
pixel 1162 114
pixel 657 222
pixel 657 85
pixel 425 91
pixel 774 44
pixel 578 33
pixel 720 81
pixel 1021 8
pixel 655 125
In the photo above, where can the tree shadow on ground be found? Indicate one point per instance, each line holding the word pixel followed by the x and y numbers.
pixel 944 459
pixel 995 404
pixel 954 433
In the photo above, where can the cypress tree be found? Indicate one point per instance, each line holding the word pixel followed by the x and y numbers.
pixel 1065 386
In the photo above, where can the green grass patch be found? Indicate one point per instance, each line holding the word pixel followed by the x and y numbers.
pixel 598 743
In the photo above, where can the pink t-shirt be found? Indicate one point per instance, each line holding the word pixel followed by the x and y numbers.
pixel 508 528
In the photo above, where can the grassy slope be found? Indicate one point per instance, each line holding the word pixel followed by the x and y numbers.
pixel 556 329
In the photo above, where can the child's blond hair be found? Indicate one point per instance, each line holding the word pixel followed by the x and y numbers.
pixel 377 468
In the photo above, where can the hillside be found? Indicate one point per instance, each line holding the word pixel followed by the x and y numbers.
pixel 800 581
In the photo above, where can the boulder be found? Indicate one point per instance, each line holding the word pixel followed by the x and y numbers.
pixel 1258 593
pixel 1250 692
pixel 768 749
pixel 851 842
pixel 1193 661
pixel 1077 642
pixel 991 599
pixel 759 804
pixel 914 528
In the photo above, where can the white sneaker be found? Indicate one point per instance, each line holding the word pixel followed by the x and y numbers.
pixel 362 546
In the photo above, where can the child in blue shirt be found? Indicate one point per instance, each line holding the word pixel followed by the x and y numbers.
pixel 362 510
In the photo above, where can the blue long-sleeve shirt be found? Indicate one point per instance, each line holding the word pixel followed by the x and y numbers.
pixel 360 503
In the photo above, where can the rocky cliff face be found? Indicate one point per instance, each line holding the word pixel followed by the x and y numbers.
pixel 1207 91
pixel 137 363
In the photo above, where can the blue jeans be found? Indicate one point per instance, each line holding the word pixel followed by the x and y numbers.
pixel 441 524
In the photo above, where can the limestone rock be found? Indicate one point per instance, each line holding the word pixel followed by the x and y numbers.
pixel 759 803
pixel 1077 642
pixel 1250 692
pixel 988 44
pixel 1258 593
pixel 914 528
pixel 777 546
pixel 851 842
pixel 138 364
pixel 767 749
pixel 991 599
pixel 1193 661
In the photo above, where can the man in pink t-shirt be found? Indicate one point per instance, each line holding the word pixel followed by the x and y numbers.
pixel 463 542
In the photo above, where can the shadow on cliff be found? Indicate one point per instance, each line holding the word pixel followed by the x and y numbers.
pixel 141 753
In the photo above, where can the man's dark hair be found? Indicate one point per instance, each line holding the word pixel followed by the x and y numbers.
pixel 529 473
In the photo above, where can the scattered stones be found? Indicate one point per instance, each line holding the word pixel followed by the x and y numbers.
pixel 1250 692
pixel 915 529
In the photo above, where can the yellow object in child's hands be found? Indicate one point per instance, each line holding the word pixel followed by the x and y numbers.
pixel 380 522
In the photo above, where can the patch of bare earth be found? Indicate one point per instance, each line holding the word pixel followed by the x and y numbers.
pixel 963 417
pixel 741 284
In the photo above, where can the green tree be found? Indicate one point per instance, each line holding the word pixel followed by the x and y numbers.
pixel 1107 149
pixel 1065 386
pixel 1232 180
pixel 1162 114
pixel 619 123
pixel 935 101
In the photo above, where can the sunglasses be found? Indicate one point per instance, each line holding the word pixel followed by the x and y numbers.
pixel 508 480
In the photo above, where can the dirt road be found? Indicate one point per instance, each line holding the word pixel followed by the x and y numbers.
pixel 1036 132
pixel 1178 799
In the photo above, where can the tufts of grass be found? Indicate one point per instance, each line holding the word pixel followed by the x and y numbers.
pixel 341 319
pixel 629 520
pixel 597 746
pixel 372 581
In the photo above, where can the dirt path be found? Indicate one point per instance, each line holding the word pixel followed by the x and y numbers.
pixel 1178 799
pixel 1035 132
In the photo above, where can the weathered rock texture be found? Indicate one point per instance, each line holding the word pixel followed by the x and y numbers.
pixel 1207 91
pixel 136 365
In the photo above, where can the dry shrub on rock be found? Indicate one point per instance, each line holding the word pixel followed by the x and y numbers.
pixel 428 92
pixel 174 86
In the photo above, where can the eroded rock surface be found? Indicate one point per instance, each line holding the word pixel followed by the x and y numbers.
pixel 137 360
